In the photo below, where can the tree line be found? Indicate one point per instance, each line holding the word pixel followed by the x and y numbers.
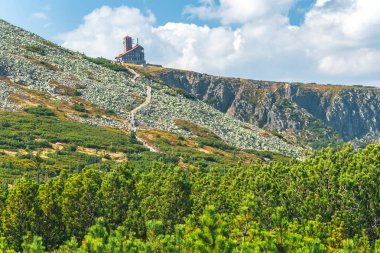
pixel 329 202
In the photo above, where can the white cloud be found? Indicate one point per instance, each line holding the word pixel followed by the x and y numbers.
pixel 360 62
pixel 40 15
pixel 321 3
pixel 338 43
pixel 239 11
pixel 176 44
pixel 103 29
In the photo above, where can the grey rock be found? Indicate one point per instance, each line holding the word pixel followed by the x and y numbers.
pixel 299 111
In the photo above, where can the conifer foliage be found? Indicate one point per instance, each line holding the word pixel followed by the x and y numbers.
pixel 328 202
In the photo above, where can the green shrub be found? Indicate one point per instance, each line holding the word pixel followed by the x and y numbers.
pixel 32 130
pixel 36 49
pixel 40 110
pixel 212 142
pixel 79 107
pixel 195 129
pixel 107 156
pixel 71 148
pixel 77 93
pixel 107 64
pixel 5 124
pixel 184 93
pixel 110 111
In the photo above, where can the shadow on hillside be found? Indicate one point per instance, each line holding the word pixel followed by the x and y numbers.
pixel 2 71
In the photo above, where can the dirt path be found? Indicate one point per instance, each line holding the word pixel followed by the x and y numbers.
pixel 134 73
pixel 132 120
pixel 151 148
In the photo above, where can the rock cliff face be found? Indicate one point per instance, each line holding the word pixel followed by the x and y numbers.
pixel 307 113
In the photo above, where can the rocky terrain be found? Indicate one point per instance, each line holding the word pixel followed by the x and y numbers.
pixel 310 114
pixel 34 71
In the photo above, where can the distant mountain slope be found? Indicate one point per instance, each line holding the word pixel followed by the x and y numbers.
pixel 304 113
pixel 34 71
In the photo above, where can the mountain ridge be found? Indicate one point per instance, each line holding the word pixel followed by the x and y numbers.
pixel 36 71
pixel 301 112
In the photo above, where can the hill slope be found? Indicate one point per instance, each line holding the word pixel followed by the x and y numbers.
pixel 35 71
pixel 304 113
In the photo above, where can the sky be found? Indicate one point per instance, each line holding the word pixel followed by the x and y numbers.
pixel 322 41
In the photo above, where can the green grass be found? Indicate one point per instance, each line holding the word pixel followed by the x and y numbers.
pixel 215 143
pixel 178 149
pixel 37 128
pixel 79 108
pixel 20 130
pixel 40 110
pixel 69 160
pixel 30 132
pixel 35 167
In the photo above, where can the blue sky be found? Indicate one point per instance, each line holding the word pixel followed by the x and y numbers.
pixel 325 41
pixel 65 15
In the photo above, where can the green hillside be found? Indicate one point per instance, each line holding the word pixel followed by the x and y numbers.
pixel 36 146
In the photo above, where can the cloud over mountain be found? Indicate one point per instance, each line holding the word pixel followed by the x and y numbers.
pixel 338 42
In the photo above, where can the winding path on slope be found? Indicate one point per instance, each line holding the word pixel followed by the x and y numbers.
pixel 132 120
pixel 134 73
pixel 148 99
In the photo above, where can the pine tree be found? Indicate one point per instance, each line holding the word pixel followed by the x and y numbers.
pixel 79 203
pixel 17 215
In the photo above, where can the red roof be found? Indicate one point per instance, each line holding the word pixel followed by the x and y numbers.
pixel 130 50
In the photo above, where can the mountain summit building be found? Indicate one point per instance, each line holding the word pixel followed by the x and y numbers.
pixel 132 54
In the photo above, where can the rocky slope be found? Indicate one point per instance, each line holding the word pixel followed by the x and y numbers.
pixel 306 113
pixel 34 71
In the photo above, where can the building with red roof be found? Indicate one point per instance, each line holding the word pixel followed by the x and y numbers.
pixel 132 54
